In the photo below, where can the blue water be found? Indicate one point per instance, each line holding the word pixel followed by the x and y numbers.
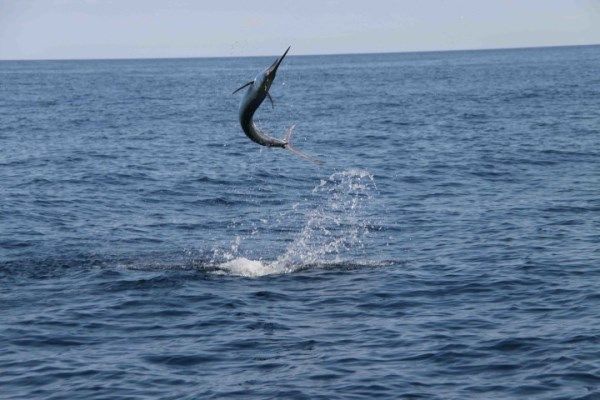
pixel 449 248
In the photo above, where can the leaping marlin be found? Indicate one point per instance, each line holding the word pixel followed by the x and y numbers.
pixel 258 89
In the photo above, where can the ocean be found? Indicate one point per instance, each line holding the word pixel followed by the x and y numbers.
pixel 449 247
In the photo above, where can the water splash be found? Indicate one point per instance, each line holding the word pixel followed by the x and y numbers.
pixel 336 225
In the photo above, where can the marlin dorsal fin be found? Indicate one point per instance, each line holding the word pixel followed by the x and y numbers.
pixel 240 88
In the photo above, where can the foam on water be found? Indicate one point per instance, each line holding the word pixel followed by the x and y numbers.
pixel 242 266
pixel 335 227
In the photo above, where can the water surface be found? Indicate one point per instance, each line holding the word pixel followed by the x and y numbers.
pixel 448 248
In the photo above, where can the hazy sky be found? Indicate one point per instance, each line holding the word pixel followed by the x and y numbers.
pixel 42 29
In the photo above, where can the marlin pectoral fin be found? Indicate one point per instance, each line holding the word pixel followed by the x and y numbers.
pixel 270 98
pixel 240 88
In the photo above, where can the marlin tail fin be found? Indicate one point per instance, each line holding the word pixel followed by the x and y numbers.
pixel 288 146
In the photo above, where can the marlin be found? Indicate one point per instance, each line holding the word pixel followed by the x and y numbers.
pixel 258 90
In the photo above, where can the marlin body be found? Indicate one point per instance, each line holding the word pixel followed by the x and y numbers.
pixel 257 91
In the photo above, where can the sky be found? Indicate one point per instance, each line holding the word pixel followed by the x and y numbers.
pixel 80 29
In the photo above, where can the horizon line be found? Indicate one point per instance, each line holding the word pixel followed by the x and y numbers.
pixel 301 55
